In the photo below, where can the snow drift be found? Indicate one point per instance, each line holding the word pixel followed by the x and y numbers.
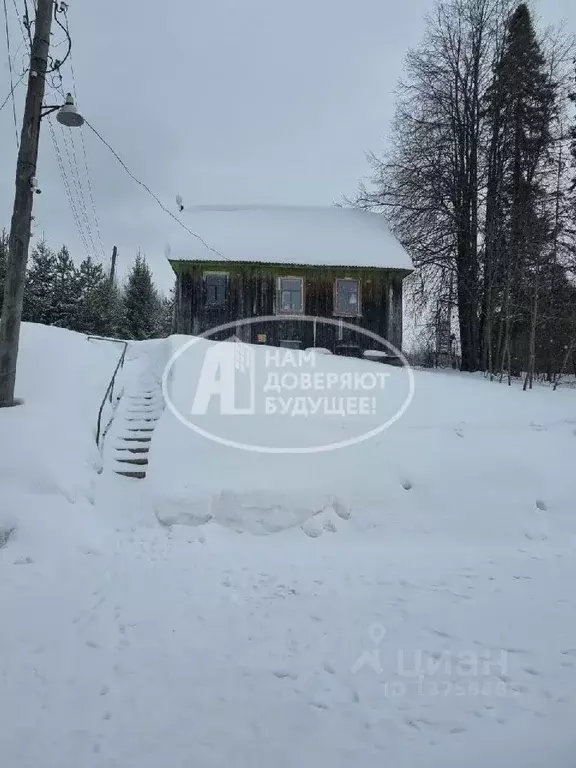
pixel 47 445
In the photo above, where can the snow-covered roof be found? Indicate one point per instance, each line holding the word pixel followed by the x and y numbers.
pixel 310 236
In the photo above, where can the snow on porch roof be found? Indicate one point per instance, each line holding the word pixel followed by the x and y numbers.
pixel 309 236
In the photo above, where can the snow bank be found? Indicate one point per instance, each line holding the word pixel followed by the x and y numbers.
pixel 47 445
pixel 464 446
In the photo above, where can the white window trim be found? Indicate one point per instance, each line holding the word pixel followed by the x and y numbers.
pixel 337 312
pixel 278 308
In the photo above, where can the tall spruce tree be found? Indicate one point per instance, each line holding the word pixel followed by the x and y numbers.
pixel 39 291
pixel 141 302
pixel 90 277
pixel 105 307
pixel 165 318
pixel 66 294
pixel 520 112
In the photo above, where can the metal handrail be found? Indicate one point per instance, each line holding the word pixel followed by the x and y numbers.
pixel 110 389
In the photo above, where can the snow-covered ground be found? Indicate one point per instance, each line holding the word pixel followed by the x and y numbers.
pixel 406 602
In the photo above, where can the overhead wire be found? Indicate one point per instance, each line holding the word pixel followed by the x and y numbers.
pixel 71 179
pixel 55 82
pixel 83 220
pixel 58 63
pixel 70 148
pixel 11 74
pixel 67 187
pixel 11 91
pixel 156 198
pixel 27 22
pixel 18 18
pixel 90 192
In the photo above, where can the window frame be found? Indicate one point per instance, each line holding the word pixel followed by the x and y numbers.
pixel 214 273
pixel 337 312
pixel 279 291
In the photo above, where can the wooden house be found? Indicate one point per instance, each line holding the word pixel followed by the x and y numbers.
pixel 289 262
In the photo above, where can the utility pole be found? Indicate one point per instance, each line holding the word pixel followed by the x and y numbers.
pixel 22 214
pixel 113 265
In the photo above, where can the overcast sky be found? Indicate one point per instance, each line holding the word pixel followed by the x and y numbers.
pixel 221 101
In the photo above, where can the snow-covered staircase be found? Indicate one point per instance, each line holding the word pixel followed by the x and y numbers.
pixel 128 440
pixel 134 436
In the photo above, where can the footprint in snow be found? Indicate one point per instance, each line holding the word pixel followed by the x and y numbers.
pixel 311 529
pixel 541 505
pixel 531 671
pixel 440 633
pixel 341 510
pixel 281 674
pixel 407 485
pixel 535 536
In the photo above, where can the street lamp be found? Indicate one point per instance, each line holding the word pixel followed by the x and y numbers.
pixel 68 113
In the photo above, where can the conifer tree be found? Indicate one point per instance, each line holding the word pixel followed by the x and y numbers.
pixel 66 297
pixel 90 277
pixel 106 310
pixel 520 112
pixel 141 301
pixel 165 319
pixel 39 291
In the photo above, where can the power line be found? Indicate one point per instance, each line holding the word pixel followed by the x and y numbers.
pixel 27 22
pixel 11 91
pixel 97 223
pixel 67 187
pixel 70 149
pixel 72 169
pixel 147 188
pixel 75 172
pixel 57 63
pixel 11 75
pixel 18 18
pixel 61 165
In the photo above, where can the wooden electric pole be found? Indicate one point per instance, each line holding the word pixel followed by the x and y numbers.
pixel 22 214
pixel 113 265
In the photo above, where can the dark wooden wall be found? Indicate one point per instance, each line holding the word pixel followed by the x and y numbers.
pixel 252 292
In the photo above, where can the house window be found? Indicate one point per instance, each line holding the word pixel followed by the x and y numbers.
pixel 290 295
pixel 347 297
pixel 216 288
